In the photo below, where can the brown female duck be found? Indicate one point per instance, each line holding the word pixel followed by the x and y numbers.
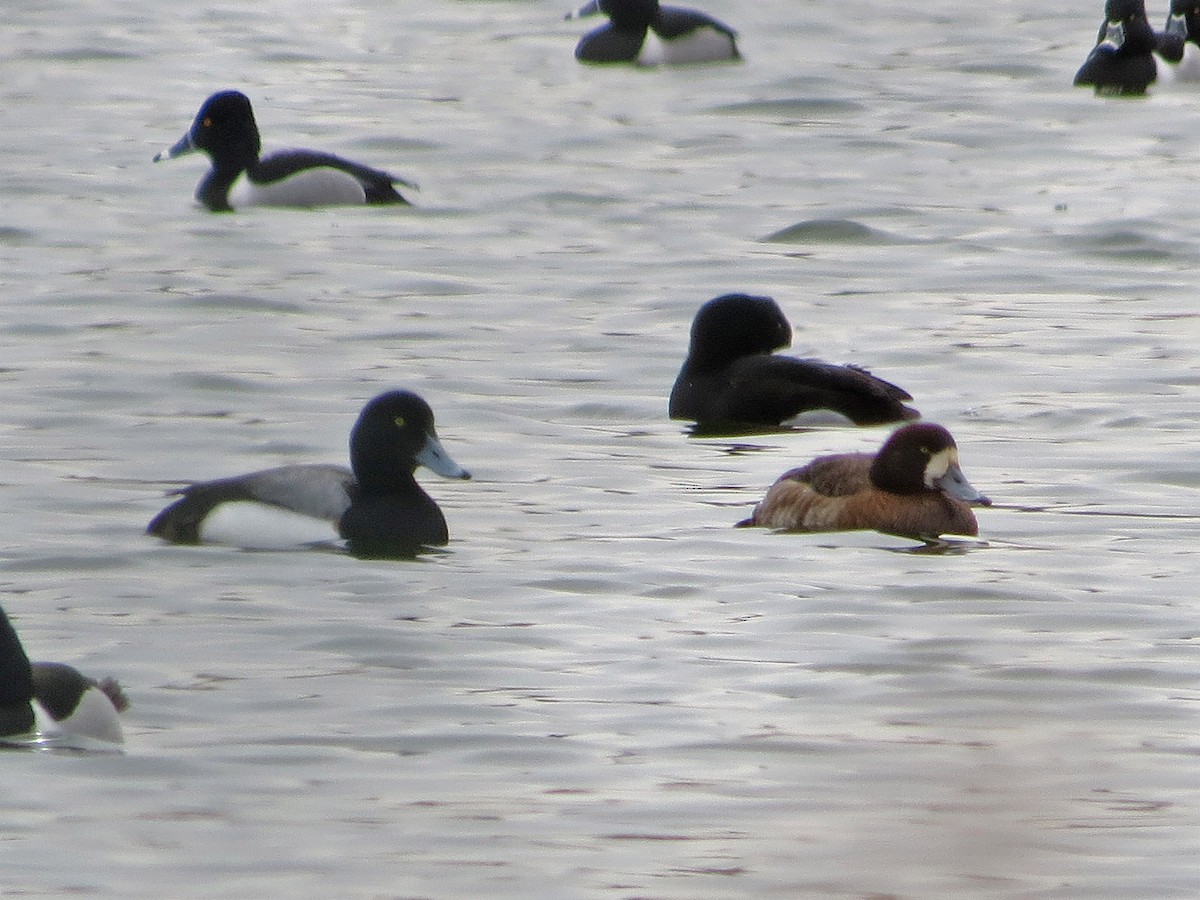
pixel 913 487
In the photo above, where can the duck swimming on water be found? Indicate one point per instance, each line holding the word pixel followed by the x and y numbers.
pixel 1124 60
pixel 732 381
pixel 225 130
pixel 54 699
pixel 648 34
pixel 376 506
pixel 1179 41
pixel 913 487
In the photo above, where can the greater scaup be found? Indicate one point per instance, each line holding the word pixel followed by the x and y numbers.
pixel 376 506
pixel 1179 42
pixel 225 130
pixel 913 487
pixel 643 32
pixel 730 379
pixel 1124 59
pixel 53 699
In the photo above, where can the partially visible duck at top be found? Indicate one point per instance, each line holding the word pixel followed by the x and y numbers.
pixel 645 33
pixel 1179 42
pixel 732 383
pixel 913 487
pixel 1124 61
pixel 225 130
pixel 376 506
pixel 53 700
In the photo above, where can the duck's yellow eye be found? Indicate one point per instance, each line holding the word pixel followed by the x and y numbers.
pixel 398 421
pixel 207 123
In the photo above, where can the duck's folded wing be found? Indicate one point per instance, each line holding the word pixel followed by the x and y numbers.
pixel 376 182
pixel 814 496
pixel 58 687
pixel 1170 46
pixel 779 387
pixel 674 21
pixel 873 382
pixel 1111 73
pixel 609 45
pixel 1092 72
pixel 834 476
pixel 320 491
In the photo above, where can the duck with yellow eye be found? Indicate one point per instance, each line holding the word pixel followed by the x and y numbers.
pixel 913 487
pixel 225 130
pixel 376 505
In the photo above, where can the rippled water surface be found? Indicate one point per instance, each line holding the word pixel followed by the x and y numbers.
pixel 601 689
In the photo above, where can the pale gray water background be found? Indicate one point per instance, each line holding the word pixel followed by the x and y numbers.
pixel 602 689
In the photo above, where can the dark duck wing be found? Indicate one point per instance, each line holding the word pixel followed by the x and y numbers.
pixel 377 184
pixel 771 389
pixel 609 44
pixel 674 21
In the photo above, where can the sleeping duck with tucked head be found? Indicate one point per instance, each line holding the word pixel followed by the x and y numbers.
pixel 225 130
pixel 376 505
pixel 731 381
pixel 53 700
pixel 913 487
pixel 647 34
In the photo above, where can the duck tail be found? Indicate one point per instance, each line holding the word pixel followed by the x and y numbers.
pixel 111 688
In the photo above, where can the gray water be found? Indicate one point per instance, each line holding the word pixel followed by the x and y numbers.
pixel 602 689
